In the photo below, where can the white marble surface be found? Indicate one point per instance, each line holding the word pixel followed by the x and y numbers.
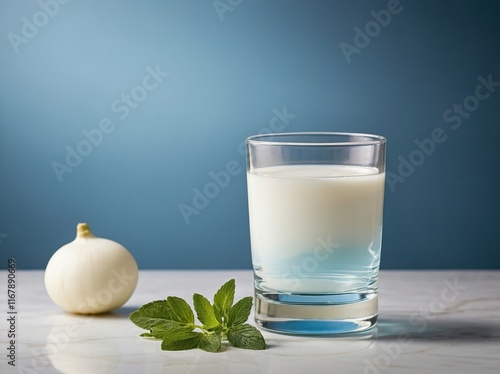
pixel 430 322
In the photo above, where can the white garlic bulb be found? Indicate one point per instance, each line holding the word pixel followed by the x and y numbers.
pixel 91 275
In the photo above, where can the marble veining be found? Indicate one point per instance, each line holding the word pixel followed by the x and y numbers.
pixel 430 322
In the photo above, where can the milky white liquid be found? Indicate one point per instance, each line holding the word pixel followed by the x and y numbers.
pixel 316 228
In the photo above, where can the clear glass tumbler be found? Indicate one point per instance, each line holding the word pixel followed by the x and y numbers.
pixel 315 203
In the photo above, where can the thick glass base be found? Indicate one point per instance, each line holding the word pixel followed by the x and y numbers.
pixel 316 314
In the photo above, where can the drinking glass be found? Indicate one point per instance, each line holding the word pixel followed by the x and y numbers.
pixel 315 207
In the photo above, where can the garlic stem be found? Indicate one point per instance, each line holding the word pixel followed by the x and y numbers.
pixel 83 231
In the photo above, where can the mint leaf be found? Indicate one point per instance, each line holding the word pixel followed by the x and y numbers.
pixel 239 312
pixel 166 326
pixel 204 311
pixel 172 321
pixel 175 337
pixel 151 314
pixel 181 311
pixel 180 345
pixel 173 332
pixel 246 336
pixel 223 300
pixel 210 343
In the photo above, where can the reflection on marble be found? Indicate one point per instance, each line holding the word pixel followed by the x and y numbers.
pixel 430 322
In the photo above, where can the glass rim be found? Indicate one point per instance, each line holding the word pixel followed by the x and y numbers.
pixel 371 139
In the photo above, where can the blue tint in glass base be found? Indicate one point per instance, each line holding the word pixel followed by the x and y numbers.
pixel 316 314
pixel 318 327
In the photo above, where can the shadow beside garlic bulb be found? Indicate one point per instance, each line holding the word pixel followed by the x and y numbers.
pixel 83 344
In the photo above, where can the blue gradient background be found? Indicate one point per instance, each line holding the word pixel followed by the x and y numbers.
pixel 226 77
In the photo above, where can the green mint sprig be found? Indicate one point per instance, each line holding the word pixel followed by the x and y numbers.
pixel 172 321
